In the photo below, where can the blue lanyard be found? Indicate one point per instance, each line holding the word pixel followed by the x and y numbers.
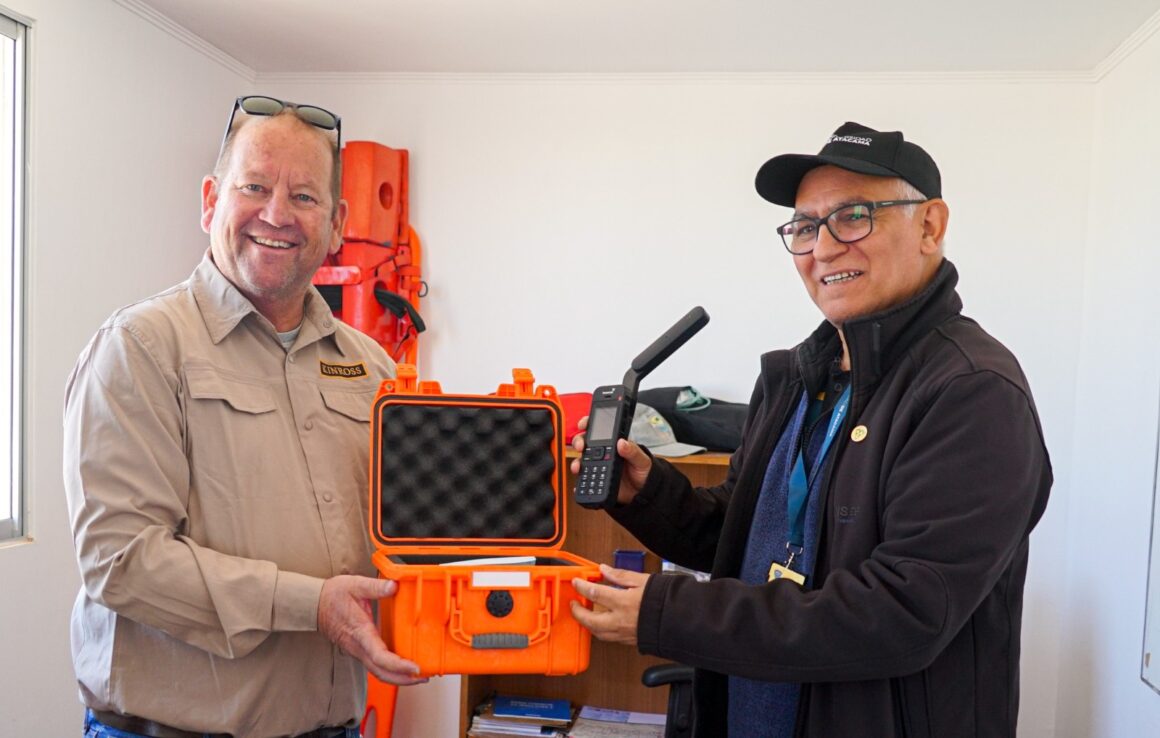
pixel 799 485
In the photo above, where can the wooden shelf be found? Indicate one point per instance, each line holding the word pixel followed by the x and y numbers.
pixel 613 676
pixel 705 458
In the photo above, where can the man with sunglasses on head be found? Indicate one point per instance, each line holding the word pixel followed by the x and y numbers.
pixel 869 545
pixel 216 472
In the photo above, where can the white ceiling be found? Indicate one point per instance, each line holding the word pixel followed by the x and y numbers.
pixel 659 36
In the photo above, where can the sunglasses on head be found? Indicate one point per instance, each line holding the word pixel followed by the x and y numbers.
pixel 262 105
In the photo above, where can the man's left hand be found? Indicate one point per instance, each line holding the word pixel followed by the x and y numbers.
pixel 615 610
pixel 345 617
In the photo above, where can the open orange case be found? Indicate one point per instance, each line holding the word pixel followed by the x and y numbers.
pixel 456 481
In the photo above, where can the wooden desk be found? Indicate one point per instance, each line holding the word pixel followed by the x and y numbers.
pixel 613 676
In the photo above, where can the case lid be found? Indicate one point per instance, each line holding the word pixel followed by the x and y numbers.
pixel 467 470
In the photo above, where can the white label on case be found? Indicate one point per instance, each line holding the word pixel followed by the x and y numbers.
pixel 501 579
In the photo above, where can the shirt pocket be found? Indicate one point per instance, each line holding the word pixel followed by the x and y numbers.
pixel 354 405
pixel 252 398
pixel 240 447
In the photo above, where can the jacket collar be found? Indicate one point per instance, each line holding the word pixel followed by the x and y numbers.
pixel 223 307
pixel 877 341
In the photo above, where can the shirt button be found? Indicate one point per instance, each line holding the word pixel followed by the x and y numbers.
pixel 309 425
pixel 345 570
pixel 327 497
pixel 290 358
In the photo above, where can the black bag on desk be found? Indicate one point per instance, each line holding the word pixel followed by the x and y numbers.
pixel 696 419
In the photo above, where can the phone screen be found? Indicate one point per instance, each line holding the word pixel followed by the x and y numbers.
pixel 600 424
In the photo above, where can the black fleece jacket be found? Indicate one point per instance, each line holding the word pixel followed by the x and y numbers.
pixel 912 627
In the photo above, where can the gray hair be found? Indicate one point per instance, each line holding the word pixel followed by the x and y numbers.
pixel 907 191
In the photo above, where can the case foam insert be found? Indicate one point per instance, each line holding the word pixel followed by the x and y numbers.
pixel 467 472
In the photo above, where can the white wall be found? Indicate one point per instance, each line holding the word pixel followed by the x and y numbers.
pixel 125 121
pixel 1102 578
pixel 562 214
pixel 567 221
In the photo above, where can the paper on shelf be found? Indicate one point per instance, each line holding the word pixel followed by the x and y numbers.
pixel 622 716
pixel 589 728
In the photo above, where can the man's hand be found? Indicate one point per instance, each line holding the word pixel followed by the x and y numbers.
pixel 614 612
pixel 637 464
pixel 346 617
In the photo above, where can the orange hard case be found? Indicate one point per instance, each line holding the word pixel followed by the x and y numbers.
pixel 459 478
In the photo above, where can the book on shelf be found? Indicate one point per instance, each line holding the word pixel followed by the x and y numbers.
pixel 508 715
pixel 537 708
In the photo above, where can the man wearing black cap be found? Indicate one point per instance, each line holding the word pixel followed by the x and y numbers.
pixel 869 546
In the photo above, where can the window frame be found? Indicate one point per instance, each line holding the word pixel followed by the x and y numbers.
pixel 16 28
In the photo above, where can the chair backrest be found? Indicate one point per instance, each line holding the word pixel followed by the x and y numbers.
pixel 679 720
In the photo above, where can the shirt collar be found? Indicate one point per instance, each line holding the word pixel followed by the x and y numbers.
pixel 876 341
pixel 223 307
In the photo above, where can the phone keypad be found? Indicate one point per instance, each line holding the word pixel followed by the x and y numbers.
pixel 594 470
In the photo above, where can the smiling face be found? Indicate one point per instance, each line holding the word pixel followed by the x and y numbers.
pixel 271 217
pixel 884 269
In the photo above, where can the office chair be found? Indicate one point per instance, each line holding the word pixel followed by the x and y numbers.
pixel 679 719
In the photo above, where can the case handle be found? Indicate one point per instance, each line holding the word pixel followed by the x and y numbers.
pixel 541 631
pixel 499 640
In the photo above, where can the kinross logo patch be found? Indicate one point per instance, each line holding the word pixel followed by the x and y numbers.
pixel 343 371
pixel 860 140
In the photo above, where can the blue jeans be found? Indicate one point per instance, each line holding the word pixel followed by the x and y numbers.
pixel 96 729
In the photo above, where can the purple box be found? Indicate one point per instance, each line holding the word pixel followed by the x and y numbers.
pixel 630 559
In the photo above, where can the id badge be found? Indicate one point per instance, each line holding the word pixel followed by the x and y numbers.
pixel 777 571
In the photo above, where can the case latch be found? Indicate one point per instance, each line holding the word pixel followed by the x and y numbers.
pixel 524 385
pixel 406 377
pixel 540 630
pixel 406 382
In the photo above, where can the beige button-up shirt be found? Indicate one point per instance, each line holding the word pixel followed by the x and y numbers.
pixel 214 480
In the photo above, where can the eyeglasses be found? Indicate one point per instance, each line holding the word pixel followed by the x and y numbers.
pixel 262 105
pixel 847 224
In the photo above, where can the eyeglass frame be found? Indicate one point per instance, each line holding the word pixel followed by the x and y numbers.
pixel 871 205
pixel 295 107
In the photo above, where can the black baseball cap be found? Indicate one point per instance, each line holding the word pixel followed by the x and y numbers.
pixel 856 148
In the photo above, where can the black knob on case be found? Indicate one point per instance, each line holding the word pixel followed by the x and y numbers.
pixel 500 603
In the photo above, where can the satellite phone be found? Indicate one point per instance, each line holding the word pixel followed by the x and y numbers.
pixel 610 417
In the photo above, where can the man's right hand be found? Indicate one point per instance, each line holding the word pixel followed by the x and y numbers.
pixel 637 464
pixel 346 617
